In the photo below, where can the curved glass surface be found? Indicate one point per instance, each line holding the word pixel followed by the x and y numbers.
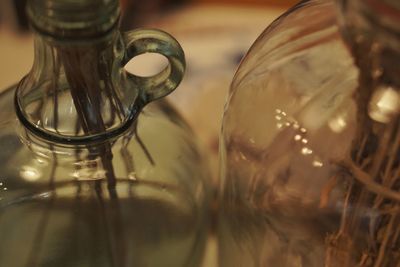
pixel 310 150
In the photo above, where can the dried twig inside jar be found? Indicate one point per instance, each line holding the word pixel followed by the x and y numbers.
pixel 373 169
pixel 82 73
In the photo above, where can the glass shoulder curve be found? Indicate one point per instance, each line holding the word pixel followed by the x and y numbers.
pixel 300 66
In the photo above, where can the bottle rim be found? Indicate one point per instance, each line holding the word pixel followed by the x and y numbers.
pixel 69 19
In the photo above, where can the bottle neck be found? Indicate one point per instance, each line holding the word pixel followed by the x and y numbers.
pixel 71 19
pixel 76 89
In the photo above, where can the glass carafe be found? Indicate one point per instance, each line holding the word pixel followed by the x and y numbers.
pixel 92 172
pixel 310 141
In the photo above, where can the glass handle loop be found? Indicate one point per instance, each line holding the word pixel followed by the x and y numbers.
pixel 142 41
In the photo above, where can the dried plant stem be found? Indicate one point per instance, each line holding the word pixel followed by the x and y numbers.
pixel 86 94
pixel 374 196
pixel 115 242
pixel 84 77
pixel 382 249
pixel 116 107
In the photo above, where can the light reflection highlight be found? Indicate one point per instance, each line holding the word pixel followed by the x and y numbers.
pixel 337 124
pixel 30 174
pixel 384 104
pixel 317 163
pixel 132 176
pixel 306 151
pixel 282 120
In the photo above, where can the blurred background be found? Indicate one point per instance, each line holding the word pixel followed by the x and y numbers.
pixel 215 35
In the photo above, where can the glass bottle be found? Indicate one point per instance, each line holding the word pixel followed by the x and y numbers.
pixel 310 142
pixel 92 172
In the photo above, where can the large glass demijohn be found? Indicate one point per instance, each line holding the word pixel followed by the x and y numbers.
pixel 92 173
pixel 311 141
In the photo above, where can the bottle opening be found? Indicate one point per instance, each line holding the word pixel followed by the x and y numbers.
pixel 73 19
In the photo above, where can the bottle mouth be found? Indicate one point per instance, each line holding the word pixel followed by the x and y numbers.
pixel 73 19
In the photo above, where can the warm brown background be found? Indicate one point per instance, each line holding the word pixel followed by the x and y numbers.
pixel 252 2
pixel 281 3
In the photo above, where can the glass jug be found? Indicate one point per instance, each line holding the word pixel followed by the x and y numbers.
pixel 92 172
pixel 310 141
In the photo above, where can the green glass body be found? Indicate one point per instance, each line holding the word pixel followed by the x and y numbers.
pixel 92 173
pixel 56 208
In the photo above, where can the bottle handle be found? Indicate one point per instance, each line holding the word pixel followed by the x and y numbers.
pixel 142 41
